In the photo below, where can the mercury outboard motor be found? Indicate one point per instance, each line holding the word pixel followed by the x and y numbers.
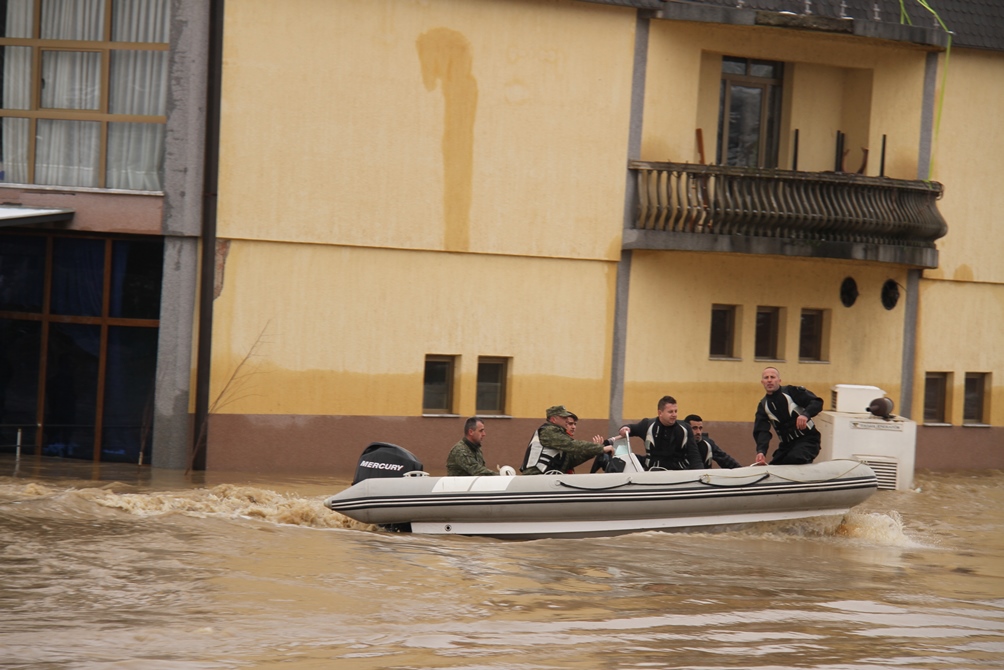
pixel 382 459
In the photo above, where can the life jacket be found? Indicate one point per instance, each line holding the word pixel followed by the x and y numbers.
pixel 785 428
pixel 663 458
pixel 543 458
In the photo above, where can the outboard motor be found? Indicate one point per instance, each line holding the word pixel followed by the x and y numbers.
pixel 382 459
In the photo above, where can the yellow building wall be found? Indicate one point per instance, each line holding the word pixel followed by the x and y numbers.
pixel 669 322
pixel 345 331
pixel 969 161
pixel 496 127
pixel 962 300
pixel 960 331
pixel 864 89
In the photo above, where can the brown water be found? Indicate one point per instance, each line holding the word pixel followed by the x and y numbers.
pixel 116 567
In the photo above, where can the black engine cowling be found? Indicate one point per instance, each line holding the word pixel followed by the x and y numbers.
pixel 382 459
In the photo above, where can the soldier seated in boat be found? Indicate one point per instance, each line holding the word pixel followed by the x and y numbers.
pixel 552 449
pixel 465 458
pixel 789 411
pixel 669 444
pixel 710 452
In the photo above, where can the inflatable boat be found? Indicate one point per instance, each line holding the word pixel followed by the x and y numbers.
pixel 391 490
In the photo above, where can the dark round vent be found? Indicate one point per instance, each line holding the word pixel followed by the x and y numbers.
pixel 849 292
pixel 890 294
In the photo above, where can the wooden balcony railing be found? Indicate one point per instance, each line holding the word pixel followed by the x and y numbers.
pixel 810 206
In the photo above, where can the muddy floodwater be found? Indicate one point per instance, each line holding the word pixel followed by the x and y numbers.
pixel 124 567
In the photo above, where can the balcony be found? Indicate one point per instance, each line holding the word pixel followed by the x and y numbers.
pixel 682 206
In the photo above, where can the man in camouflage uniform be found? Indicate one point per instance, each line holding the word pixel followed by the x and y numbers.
pixel 466 459
pixel 553 449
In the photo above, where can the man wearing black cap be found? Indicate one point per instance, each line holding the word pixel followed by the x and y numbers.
pixel 553 449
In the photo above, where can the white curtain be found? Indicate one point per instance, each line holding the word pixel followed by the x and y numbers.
pixel 16 95
pixel 67 152
pixel 138 86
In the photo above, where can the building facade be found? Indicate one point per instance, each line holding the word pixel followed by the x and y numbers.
pixel 325 224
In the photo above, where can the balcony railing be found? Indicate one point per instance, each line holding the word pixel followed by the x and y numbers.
pixel 811 207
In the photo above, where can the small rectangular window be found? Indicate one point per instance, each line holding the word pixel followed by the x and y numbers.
pixel 437 394
pixel 973 407
pixel 935 397
pixel 723 331
pixel 811 335
pixel 768 326
pixel 492 373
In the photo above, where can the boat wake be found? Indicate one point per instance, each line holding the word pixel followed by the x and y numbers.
pixel 882 528
pixel 225 501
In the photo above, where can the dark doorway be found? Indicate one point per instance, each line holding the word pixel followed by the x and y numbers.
pixel 78 343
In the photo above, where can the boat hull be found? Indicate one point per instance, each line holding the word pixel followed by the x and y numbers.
pixel 607 503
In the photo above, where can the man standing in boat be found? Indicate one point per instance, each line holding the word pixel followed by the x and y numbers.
pixel 466 459
pixel 552 449
pixel 710 452
pixel 789 411
pixel 669 444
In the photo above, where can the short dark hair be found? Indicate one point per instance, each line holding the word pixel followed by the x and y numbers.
pixel 693 417
pixel 471 424
pixel 666 400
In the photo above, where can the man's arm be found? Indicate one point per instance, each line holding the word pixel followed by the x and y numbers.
pixel 556 438
pixel 761 430
pixel 639 429
pixel 807 400
pixel 720 456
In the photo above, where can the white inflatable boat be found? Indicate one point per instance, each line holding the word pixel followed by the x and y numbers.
pixel 579 505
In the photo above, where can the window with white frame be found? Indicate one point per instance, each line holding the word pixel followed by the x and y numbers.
pixel 83 94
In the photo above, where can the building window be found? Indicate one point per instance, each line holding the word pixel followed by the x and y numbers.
pixel 83 96
pixel 437 394
pixel 492 373
pixel 79 317
pixel 723 331
pixel 973 410
pixel 768 328
pixel 812 335
pixel 749 114
pixel 936 397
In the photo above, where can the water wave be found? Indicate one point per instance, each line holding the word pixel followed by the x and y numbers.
pixel 222 501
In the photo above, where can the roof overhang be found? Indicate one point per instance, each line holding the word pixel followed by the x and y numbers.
pixel 20 215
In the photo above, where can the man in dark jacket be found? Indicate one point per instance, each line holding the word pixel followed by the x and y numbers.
pixel 789 411
pixel 669 444
pixel 709 450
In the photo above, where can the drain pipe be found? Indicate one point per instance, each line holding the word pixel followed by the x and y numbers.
pixel 207 291
pixel 913 276
pixel 619 345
